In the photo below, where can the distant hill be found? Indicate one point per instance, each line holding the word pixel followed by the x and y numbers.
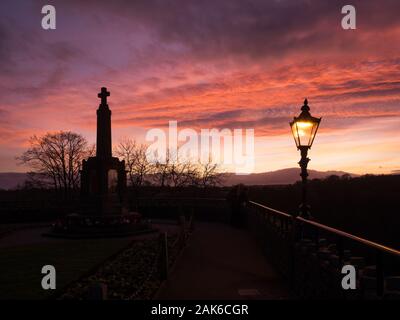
pixel 283 176
pixel 11 180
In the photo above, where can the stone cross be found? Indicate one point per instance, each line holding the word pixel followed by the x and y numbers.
pixel 103 95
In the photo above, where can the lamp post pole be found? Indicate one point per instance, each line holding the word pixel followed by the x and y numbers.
pixel 304 207
pixel 304 128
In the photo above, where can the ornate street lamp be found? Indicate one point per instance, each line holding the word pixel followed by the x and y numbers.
pixel 304 128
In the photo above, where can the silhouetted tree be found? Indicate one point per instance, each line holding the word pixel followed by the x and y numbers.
pixel 137 164
pixel 161 172
pixel 55 159
pixel 209 174
pixel 171 171
pixel 182 173
pixel 346 176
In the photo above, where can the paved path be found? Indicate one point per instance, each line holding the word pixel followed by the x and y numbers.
pixel 221 262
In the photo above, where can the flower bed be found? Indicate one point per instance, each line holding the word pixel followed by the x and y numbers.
pixel 131 275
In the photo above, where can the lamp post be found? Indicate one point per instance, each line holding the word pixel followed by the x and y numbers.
pixel 304 128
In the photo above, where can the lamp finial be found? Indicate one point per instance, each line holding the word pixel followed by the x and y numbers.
pixel 305 107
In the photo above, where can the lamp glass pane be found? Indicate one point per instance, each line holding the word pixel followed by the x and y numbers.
pixel 313 133
pixel 304 131
pixel 295 133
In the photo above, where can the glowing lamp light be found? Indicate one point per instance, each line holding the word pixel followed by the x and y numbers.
pixel 304 127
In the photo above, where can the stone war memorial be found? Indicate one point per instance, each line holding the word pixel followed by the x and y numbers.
pixel 103 209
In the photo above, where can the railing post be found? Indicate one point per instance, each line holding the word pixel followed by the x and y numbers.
pixel 379 273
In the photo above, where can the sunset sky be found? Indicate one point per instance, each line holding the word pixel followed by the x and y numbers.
pixel 214 63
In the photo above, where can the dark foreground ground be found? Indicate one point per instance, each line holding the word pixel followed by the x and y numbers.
pixel 222 262
pixel 219 262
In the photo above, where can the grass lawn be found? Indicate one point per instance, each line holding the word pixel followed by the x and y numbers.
pixel 20 267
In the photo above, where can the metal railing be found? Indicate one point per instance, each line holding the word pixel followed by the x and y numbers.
pixel 300 246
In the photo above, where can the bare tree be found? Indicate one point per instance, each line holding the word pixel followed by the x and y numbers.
pixel 161 172
pixel 173 172
pixel 182 173
pixel 179 173
pixel 137 164
pixel 209 174
pixel 56 158
pixel 162 169
pixel 169 171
